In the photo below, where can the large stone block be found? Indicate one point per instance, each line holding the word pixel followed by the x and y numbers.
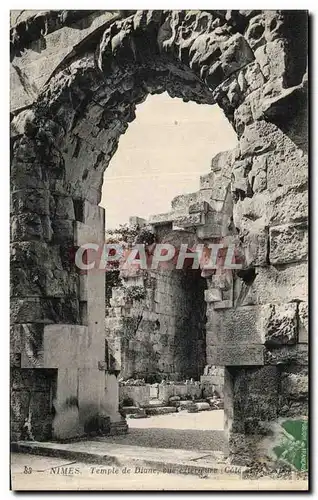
pixel 254 398
pixel 30 282
pixel 258 175
pixel 199 206
pixel 18 93
pixel 31 226
pixel 257 139
pixel 216 224
pixel 61 283
pixel 280 323
pixel 30 253
pixel 183 201
pixel 255 247
pixel 251 214
pixel 250 78
pixel 216 184
pixel 243 115
pixel 288 243
pixel 84 234
pixel 288 165
pixel 31 200
pixel 270 324
pixel 288 204
pixel 239 178
pixel 253 413
pixel 30 379
pixel 297 354
pixel 26 175
pixel 63 231
pixel 27 149
pixel 294 408
pixel 64 207
pixel 190 220
pixel 40 406
pixel 223 162
pixel 242 325
pixel 19 405
pixel 212 295
pixel 303 323
pixel 31 345
pixel 259 380
pixel 94 215
pixel 65 346
pixel 294 386
pixel 28 310
pixel 237 54
pixel 277 285
pixel 40 310
pixel 44 55
pixel 235 355
pixel 165 218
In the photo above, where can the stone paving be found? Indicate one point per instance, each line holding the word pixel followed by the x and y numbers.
pixel 188 431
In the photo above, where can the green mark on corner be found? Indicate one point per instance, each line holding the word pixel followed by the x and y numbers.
pixel 294 446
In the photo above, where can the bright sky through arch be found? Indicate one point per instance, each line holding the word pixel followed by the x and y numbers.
pixel 161 155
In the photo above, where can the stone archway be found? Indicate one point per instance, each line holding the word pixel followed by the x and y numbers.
pixel 253 65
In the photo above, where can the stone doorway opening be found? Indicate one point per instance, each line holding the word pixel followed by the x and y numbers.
pixel 158 340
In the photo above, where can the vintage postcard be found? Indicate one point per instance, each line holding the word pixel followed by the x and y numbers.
pixel 159 243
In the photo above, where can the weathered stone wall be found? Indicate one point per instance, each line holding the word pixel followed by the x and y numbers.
pixel 163 335
pixel 272 307
pixel 32 411
pixel 251 63
pixel 256 316
pixel 42 41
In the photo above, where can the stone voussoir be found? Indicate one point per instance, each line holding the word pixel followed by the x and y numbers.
pixel 288 243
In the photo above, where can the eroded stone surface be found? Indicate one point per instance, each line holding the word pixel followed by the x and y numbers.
pixel 288 243
pixel 303 322
pixel 235 355
pixel 297 354
pixel 281 324
pixel 278 284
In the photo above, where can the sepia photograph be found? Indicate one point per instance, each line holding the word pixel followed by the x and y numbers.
pixel 159 250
